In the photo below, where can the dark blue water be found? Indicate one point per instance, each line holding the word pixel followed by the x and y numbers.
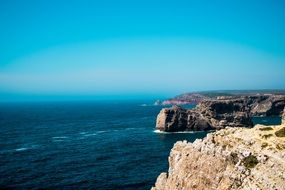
pixel 274 120
pixel 88 145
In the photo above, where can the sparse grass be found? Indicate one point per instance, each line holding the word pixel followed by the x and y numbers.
pixel 280 133
pixel 267 136
pixel 233 158
pixel 278 147
pixel 250 161
pixel 266 129
pixel 264 145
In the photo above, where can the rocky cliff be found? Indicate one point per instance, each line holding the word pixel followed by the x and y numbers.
pixel 179 119
pixel 212 114
pixel 231 158
pixel 220 113
pixel 283 116
pixel 259 103
pixel 266 105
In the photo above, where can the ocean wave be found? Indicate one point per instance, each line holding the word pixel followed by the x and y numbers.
pixel 21 149
pixel 163 132
pixel 60 137
pixel 58 140
pixel 102 131
pixel 130 128
pixel 90 134
pixel 29 147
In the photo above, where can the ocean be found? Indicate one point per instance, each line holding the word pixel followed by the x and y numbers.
pixel 85 145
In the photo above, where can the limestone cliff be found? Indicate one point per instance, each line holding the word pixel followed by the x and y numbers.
pixel 231 158
pixel 208 115
pixel 258 103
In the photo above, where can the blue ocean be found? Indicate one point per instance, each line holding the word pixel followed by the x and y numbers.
pixel 85 145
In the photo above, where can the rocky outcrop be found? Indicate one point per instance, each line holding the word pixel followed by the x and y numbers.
pixel 259 103
pixel 220 113
pixel 179 119
pixel 266 105
pixel 207 116
pixel 173 119
pixel 223 113
pixel 283 116
pixel 231 158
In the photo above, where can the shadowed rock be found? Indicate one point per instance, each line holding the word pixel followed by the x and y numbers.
pixel 208 115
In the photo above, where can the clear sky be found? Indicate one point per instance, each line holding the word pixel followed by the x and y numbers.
pixel 148 48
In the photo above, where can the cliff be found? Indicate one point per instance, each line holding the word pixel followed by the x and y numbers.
pixel 231 158
pixel 220 113
pixel 208 115
pixel 259 103
pixel 283 116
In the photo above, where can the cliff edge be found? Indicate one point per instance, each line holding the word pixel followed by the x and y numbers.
pixel 232 158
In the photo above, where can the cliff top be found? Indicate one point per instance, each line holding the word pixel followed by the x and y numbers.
pixel 232 158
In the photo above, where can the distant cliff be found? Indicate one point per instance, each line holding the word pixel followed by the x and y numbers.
pixel 261 103
pixel 220 113
pixel 232 158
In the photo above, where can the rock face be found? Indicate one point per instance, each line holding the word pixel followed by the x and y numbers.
pixel 220 113
pixel 208 115
pixel 259 103
pixel 266 105
pixel 231 158
pixel 179 119
pixel 223 113
pixel 283 116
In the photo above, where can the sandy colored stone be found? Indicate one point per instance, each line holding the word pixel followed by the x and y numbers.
pixel 232 158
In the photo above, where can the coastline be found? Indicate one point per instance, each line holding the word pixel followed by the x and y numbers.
pixel 231 158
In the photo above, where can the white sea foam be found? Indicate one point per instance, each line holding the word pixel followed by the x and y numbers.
pixel 62 137
pixel 163 132
pixel 21 149
pixel 26 147
pixel 90 134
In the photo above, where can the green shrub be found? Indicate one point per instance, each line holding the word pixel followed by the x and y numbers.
pixel 280 133
pixel 264 145
pixel 266 129
pixel 267 136
pixel 250 161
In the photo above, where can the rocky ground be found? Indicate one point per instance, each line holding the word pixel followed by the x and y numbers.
pixel 231 158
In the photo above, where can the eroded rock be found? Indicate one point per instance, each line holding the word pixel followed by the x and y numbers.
pixel 225 160
pixel 208 115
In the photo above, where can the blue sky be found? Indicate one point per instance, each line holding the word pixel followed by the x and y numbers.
pixel 60 49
